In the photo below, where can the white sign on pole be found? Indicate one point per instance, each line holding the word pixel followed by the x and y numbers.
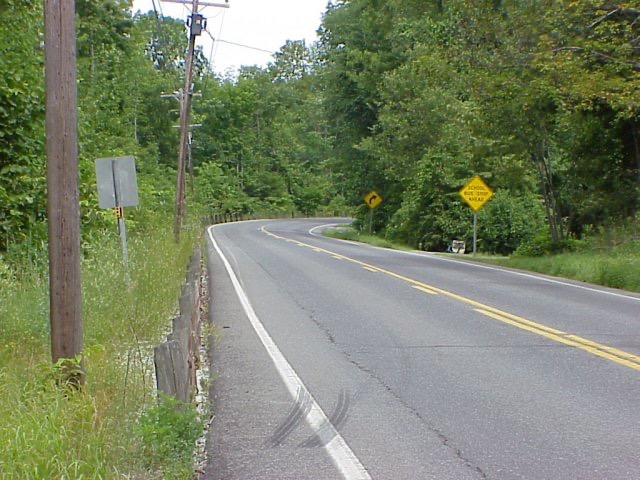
pixel 117 182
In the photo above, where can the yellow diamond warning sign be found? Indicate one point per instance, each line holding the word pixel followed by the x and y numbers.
pixel 372 199
pixel 476 193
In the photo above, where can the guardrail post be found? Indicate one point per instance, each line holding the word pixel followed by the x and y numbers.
pixel 177 359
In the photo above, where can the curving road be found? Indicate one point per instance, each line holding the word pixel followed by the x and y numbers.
pixel 337 360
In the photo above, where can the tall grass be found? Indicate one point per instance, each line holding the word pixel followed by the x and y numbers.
pixel 608 257
pixel 49 431
pixel 610 268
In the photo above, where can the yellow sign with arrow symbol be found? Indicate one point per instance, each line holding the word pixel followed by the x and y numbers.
pixel 372 199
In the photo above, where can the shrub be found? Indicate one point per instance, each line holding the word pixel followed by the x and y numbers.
pixel 507 221
pixel 541 245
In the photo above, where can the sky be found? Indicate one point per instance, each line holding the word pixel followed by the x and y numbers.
pixel 261 24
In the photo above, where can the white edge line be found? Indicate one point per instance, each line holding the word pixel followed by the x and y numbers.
pixel 313 234
pixel 524 274
pixel 342 456
pixel 486 267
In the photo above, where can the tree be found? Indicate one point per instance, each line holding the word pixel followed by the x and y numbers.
pixel 22 168
pixel 355 52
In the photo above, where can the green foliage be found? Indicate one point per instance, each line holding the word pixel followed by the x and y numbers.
pixel 539 99
pixel 114 119
pixel 541 245
pixel 357 236
pixel 102 24
pixel 617 268
pixel 338 207
pixel 432 213
pixel 267 137
pixel 356 49
pixel 169 432
pixel 507 222
pixel 49 431
pixel 407 98
pixel 22 180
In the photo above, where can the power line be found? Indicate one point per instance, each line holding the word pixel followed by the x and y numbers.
pixel 215 52
pixel 214 46
pixel 247 46
pixel 241 45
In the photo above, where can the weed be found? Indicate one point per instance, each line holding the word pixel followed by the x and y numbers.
pixel 169 432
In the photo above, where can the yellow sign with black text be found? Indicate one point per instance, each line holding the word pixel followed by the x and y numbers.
pixel 476 193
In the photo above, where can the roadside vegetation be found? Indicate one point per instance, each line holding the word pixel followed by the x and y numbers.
pixel 610 259
pixel 113 427
pixel 406 98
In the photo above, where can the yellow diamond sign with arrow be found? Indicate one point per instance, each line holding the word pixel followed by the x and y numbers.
pixel 476 193
pixel 372 199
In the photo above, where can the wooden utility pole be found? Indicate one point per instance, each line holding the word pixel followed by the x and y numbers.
pixel 63 208
pixel 195 28
pixel 185 107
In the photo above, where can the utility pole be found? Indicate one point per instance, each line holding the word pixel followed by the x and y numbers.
pixel 177 95
pixel 63 209
pixel 196 25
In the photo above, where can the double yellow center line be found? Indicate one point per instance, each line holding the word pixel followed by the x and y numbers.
pixel 604 351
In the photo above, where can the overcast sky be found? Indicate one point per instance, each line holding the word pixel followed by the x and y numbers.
pixel 260 24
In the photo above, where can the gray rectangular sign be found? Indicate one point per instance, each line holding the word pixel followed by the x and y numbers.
pixel 117 182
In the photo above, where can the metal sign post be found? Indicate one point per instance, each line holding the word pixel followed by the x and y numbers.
pixel 122 230
pixel 475 232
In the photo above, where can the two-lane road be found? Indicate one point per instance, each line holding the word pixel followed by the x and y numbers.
pixel 339 360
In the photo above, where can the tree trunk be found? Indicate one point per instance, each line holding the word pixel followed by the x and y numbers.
pixel 542 163
pixel 636 149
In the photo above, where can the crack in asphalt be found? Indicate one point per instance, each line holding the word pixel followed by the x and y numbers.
pixel 444 440
pixel 300 409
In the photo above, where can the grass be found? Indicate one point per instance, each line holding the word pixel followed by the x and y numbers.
pixel 50 431
pixel 615 269
pixel 348 233
pixel 610 264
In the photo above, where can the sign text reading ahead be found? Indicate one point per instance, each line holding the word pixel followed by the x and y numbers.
pixel 476 193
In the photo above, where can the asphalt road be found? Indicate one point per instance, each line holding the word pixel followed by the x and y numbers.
pixel 349 361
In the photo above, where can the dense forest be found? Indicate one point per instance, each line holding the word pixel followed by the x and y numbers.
pixel 410 98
